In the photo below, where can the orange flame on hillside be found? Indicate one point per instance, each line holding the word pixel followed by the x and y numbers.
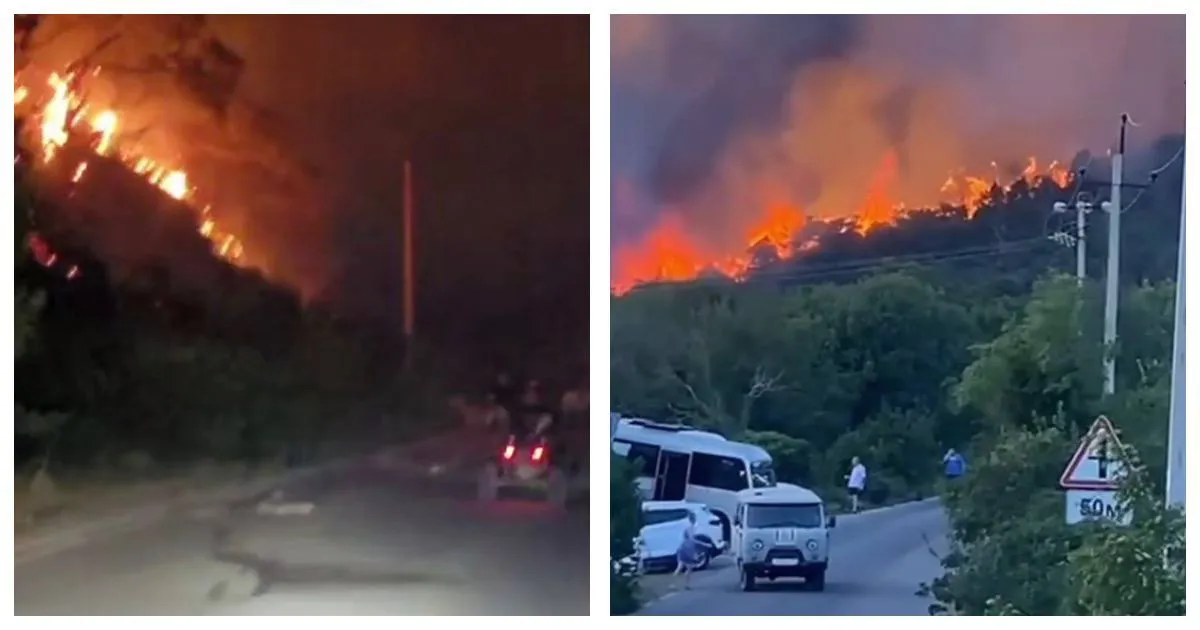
pixel 669 253
pixel 65 113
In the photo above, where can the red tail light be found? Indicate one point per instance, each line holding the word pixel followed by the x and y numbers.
pixel 538 453
pixel 509 451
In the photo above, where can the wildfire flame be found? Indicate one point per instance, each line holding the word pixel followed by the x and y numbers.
pixel 668 253
pixel 66 113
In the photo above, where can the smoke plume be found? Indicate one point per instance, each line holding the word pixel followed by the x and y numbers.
pixel 717 119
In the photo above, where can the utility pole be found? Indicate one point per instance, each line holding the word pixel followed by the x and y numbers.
pixel 1176 447
pixel 1083 206
pixel 1113 207
pixel 409 310
pixel 1081 210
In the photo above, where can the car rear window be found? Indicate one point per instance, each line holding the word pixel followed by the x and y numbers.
pixel 654 517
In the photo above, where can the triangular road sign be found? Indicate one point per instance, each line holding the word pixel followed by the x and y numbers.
pixel 1098 463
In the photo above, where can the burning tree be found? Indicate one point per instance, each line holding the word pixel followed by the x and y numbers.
pixel 160 95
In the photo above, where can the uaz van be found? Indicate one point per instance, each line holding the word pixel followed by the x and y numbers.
pixel 781 532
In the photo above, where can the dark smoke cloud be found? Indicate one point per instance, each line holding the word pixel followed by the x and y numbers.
pixel 715 116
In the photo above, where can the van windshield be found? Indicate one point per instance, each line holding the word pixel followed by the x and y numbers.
pixel 762 474
pixel 804 515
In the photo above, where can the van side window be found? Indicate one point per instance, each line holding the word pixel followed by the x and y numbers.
pixel 715 471
pixel 647 454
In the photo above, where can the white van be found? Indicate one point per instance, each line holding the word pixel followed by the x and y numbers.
pixel 681 463
pixel 781 532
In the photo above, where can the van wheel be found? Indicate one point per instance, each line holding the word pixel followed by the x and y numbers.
pixel 747 580
pixel 816 581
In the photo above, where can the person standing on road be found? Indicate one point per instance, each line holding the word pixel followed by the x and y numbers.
pixel 856 482
pixel 688 556
pixel 955 465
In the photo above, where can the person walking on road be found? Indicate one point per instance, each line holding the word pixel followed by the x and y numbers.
pixel 688 556
pixel 955 465
pixel 856 482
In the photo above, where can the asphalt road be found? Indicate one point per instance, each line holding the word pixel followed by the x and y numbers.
pixel 377 542
pixel 877 562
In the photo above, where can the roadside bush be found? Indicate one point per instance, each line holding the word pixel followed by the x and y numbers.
pixel 1013 554
pixel 793 457
pixel 1009 542
pixel 1135 570
pixel 625 513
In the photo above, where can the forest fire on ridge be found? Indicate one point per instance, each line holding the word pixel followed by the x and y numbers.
pixel 668 253
pixel 63 112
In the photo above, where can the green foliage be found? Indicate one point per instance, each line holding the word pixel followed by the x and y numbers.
pixel 793 457
pixel 1139 570
pixel 816 375
pixel 895 368
pixel 1044 364
pixel 1009 538
pixel 1012 553
pixel 625 523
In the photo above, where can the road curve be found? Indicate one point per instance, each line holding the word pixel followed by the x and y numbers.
pixel 878 561
pixel 377 542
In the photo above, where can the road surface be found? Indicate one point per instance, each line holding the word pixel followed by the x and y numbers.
pixel 878 561
pixel 377 542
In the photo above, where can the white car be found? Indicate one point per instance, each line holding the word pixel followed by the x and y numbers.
pixel 663 523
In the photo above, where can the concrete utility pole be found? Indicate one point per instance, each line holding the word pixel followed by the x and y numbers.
pixel 1081 210
pixel 1176 447
pixel 1113 207
pixel 1083 206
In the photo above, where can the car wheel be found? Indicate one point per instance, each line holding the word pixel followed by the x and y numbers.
pixel 747 580
pixel 726 526
pixel 489 483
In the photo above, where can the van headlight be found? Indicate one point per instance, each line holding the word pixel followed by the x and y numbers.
pixel 757 545
pixel 811 544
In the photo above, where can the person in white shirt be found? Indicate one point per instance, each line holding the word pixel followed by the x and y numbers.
pixel 856 482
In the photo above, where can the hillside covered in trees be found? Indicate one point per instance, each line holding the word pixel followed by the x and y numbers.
pixel 943 331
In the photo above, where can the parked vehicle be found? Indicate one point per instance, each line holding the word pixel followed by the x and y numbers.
pixel 662 532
